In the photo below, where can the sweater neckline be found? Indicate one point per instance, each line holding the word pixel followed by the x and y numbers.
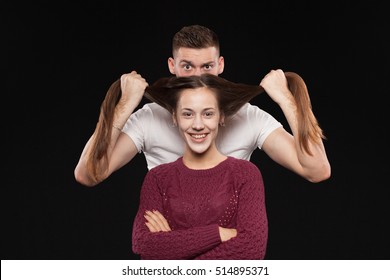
pixel 202 172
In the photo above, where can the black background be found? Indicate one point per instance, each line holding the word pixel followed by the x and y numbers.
pixel 61 58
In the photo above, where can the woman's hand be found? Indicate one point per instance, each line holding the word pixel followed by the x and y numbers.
pixel 227 233
pixel 156 222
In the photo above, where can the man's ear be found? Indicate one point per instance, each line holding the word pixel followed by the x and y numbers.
pixel 221 65
pixel 171 65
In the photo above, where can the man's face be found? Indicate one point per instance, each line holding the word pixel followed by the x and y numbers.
pixel 189 61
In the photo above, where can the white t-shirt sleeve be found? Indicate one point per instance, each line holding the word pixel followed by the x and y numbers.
pixel 263 122
pixel 136 125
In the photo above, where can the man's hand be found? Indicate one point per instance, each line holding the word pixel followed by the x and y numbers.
pixel 276 86
pixel 133 88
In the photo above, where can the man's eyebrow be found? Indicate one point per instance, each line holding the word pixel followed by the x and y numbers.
pixel 186 61
pixel 190 62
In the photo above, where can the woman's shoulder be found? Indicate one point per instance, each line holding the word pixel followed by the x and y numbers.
pixel 243 166
pixel 241 162
pixel 164 168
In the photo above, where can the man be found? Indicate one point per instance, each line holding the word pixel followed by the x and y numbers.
pixel 150 130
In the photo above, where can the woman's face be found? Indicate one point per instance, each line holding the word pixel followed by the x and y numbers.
pixel 198 116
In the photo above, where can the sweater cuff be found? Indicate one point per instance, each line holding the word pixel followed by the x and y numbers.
pixel 211 236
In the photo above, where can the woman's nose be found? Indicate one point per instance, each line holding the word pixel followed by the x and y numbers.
pixel 198 123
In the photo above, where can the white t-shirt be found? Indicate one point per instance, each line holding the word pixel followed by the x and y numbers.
pixel 152 131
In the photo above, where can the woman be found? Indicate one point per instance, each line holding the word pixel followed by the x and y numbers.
pixel 204 205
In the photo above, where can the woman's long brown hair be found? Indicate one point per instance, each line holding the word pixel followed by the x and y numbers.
pixel 231 97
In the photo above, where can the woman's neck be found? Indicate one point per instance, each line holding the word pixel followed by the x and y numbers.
pixel 206 160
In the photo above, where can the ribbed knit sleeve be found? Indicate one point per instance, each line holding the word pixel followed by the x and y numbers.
pixel 175 244
pixel 252 223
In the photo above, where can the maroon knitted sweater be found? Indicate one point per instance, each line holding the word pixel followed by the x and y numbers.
pixel 195 203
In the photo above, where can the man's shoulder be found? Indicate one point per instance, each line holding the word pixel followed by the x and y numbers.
pixel 248 107
pixel 152 110
pixel 154 107
pixel 252 113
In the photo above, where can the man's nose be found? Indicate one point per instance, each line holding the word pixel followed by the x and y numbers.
pixel 198 72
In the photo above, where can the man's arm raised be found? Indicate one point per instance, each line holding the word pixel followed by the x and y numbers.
pixel 108 149
pixel 303 152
